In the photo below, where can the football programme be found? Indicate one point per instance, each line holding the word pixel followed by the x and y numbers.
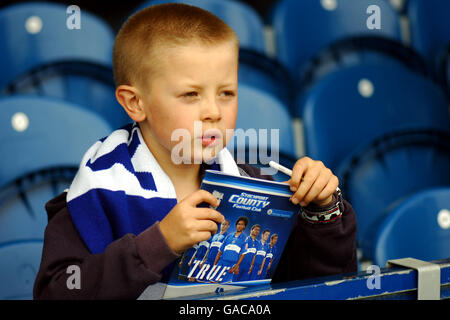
pixel 247 246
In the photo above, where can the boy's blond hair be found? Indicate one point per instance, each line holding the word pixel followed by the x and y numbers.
pixel 146 32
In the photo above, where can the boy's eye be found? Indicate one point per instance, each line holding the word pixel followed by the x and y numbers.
pixel 191 94
pixel 227 93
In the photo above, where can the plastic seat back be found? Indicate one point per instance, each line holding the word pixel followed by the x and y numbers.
pixel 263 124
pixel 243 19
pixel 419 227
pixel 430 29
pixel 22 202
pixel 35 34
pixel 394 166
pixel 19 264
pixel 302 28
pixel 38 133
pixel 266 74
pixel 86 84
pixel 353 105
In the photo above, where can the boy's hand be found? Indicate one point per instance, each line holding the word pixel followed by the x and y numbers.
pixel 185 225
pixel 311 181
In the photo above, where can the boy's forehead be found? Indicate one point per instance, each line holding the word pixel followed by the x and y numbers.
pixel 162 59
pixel 171 52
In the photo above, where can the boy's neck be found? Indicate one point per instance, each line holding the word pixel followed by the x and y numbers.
pixel 182 174
pixel 185 178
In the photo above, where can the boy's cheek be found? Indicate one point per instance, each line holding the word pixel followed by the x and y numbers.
pixel 227 136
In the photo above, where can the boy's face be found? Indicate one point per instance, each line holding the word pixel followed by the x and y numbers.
pixel 196 85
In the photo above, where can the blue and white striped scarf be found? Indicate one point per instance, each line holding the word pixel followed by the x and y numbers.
pixel 120 188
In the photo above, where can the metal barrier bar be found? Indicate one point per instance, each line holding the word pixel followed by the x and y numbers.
pixel 428 277
pixel 383 283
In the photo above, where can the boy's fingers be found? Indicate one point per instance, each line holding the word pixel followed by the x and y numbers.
pixel 205 229
pixel 329 189
pixel 209 214
pixel 297 173
pixel 202 236
pixel 305 185
pixel 315 190
pixel 207 225
pixel 200 196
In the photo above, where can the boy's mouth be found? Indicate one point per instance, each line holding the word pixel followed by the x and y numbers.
pixel 211 138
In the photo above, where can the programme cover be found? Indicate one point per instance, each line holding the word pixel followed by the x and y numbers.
pixel 247 246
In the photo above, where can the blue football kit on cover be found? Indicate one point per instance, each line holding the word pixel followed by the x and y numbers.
pixel 271 252
pixel 259 257
pixel 231 249
pixel 250 250
pixel 215 244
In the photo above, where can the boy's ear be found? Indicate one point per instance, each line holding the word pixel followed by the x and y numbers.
pixel 128 97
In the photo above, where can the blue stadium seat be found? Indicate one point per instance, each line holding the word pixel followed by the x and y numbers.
pixel 86 84
pixel 430 29
pixel 447 73
pixel 22 224
pixel 259 110
pixel 19 264
pixel 358 50
pixel 42 142
pixel 35 34
pixel 353 105
pixel 22 202
pixel 38 133
pixel 376 177
pixel 243 19
pixel 442 74
pixel 419 227
pixel 303 28
pixel 265 74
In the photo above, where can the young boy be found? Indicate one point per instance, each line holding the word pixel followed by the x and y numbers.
pixel 131 211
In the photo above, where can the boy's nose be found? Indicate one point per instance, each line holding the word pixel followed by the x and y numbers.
pixel 211 111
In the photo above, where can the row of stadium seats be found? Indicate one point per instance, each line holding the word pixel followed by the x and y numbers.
pixel 381 177
pixel 311 39
pixel 367 107
pixel 52 81
pixel 42 57
pixel 42 142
